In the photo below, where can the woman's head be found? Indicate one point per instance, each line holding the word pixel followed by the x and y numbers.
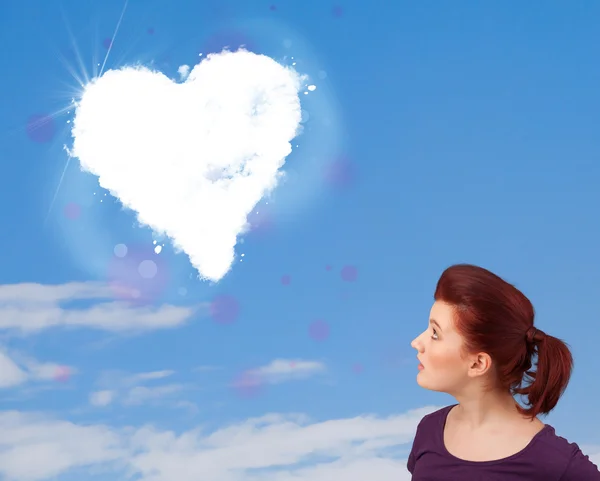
pixel 481 336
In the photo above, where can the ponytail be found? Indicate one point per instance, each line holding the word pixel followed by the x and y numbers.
pixel 547 383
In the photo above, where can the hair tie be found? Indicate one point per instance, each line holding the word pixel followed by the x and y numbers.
pixel 534 335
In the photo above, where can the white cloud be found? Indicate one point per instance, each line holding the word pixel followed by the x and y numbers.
pixel 143 394
pixel 207 368
pixel 130 389
pixel 593 451
pixel 33 447
pixel 191 159
pixel 271 448
pixel 31 308
pixel 149 376
pixel 18 369
pixel 10 374
pixel 183 71
pixel 102 398
pixel 281 370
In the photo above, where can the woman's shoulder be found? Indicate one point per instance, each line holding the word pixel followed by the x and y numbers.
pixel 435 419
pixel 577 464
pixel 431 425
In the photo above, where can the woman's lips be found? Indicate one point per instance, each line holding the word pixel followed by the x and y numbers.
pixel 421 367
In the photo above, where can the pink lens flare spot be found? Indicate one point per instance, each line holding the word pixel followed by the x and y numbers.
pixel 107 43
pixel 349 273
pixel 357 368
pixel 151 31
pixel 318 330
pixel 248 385
pixel 286 280
pixel 328 267
pixel 62 374
pixel 293 364
pixel 224 309
pixel 72 211
pixel 273 8
pixel 41 128
pixel 337 11
pixel 341 173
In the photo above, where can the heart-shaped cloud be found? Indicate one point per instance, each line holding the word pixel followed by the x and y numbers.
pixel 191 159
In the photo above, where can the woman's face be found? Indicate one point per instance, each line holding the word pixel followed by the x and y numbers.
pixel 444 367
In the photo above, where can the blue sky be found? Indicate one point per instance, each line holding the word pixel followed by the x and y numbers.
pixel 470 135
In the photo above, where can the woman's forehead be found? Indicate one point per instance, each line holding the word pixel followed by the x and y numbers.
pixel 443 314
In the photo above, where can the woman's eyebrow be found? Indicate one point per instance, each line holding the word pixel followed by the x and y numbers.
pixel 433 321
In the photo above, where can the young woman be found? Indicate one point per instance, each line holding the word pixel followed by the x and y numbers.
pixel 480 347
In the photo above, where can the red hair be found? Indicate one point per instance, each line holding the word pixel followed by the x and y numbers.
pixel 494 317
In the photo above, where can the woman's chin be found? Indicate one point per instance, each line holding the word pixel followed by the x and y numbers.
pixel 422 382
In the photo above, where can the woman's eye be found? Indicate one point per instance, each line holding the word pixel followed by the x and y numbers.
pixel 435 335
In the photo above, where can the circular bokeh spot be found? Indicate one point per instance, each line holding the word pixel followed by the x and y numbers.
pixel 328 267
pixel 273 8
pixel 224 309
pixel 231 40
pixel 62 374
pixel 41 128
pixel 147 269
pixel 345 295
pixel 151 31
pixel 318 330
pixel 349 273
pixel 72 211
pixel 340 173
pixel 337 11
pixel 357 368
pixel 107 43
pixel 248 384
pixel 137 274
pixel 120 250
pixel 286 280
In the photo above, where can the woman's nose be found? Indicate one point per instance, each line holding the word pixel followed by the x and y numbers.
pixel 416 344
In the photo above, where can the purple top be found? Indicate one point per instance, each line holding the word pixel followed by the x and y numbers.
pixel 547 457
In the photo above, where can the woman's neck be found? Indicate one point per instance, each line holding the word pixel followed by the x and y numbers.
pixel 486 408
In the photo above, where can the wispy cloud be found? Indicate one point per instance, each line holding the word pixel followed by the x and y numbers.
pixel 18 369
pixel 148 376
pixel 31 308
pixel 207 368
pixel 144 394
pixel 102 398
pixel 593 451
pixel 130 389
pixel 282 370
pixel 270 448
